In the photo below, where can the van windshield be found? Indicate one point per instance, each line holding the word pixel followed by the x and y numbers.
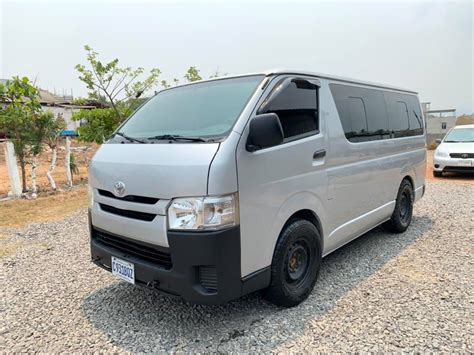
pixel 460 135
pixel 194 112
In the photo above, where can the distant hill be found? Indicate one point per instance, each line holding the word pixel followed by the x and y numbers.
pixel 465 119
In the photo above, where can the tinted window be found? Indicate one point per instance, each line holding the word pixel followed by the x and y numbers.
pixel 405 114
pixel 295 102
pixel 362 111
pixel 414 113
pixel 207 109
pixel 358 116
pixel 387 114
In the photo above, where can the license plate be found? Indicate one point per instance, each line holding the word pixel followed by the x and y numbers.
pixel 123 269
pixel 465 162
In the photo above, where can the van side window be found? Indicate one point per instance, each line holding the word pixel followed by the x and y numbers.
pixel 358 117
pixel 362 111
pixel 415 118
pixel 405 115
pixel 400 126
pixel 387 114
pixel 295 102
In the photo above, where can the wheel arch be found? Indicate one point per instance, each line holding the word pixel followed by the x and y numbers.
pixel 410 180
pixel 305 205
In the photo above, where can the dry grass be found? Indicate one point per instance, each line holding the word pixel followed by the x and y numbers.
pixel 17 213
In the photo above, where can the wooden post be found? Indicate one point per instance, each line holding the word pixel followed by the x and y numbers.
pixel 12 167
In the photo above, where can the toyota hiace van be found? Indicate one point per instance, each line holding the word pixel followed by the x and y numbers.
pixel 218 188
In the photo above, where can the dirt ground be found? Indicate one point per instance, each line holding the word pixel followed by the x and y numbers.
pixel 17 213
pixel 59 174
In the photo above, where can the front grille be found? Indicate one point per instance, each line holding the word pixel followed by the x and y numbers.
pixel 143 216
pixel 148 252
pixel 462 155
pixel 208 278
pixel 130 198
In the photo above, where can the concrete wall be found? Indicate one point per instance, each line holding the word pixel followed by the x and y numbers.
pixel 434 127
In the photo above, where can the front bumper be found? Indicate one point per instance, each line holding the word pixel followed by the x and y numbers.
pixel 455 165
pixel 205 265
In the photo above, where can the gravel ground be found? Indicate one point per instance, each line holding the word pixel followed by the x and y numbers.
pixel 382 292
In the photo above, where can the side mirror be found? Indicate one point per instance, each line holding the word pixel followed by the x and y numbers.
pixel 264 131
pixel 438 140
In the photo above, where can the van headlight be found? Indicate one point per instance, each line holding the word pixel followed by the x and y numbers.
pixel 203 213
pixel 90 195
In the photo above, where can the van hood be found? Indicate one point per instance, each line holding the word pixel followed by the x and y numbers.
pixel 162 171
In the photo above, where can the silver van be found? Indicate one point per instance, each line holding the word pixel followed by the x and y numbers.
pixel 215 189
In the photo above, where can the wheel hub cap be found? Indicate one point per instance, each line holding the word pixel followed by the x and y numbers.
pixel 297 262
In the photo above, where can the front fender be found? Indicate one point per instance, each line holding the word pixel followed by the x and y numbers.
pixel 304 200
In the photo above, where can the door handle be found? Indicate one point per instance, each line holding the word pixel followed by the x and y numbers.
pixel 319 154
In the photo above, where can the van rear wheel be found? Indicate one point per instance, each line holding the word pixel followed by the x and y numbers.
pixel 401 216
pixel 296 263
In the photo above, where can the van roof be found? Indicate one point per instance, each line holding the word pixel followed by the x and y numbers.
pixel 339 78
pixel 322 76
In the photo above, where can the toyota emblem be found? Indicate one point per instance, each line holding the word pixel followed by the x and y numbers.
pixel 119 188
pixel 464 156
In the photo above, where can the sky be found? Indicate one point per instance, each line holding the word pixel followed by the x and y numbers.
pixel 425 46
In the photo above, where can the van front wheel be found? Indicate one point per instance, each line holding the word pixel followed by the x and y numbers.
pixel 296 263
pixel 401 216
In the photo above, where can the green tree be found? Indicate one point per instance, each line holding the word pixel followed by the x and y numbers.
pixel 192 74
pixel 120 89
pixel 117 87
pixel 113 85
pixel 19 118
pixel 97 125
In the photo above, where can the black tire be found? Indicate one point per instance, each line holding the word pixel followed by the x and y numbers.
pixel 437 173
pixel 295 265
pixel 401 216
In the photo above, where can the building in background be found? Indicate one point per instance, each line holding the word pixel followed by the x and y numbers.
pixel 438 122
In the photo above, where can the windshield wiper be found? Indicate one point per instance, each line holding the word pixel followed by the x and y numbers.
pixel 173 137
pixel 130 139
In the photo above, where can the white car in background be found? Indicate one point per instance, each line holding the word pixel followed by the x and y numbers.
pixel 455 152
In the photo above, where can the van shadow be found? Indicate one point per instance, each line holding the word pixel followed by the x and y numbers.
pixel 141 320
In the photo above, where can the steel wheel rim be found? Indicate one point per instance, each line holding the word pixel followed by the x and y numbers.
pixel 405 203
pixel 297 262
